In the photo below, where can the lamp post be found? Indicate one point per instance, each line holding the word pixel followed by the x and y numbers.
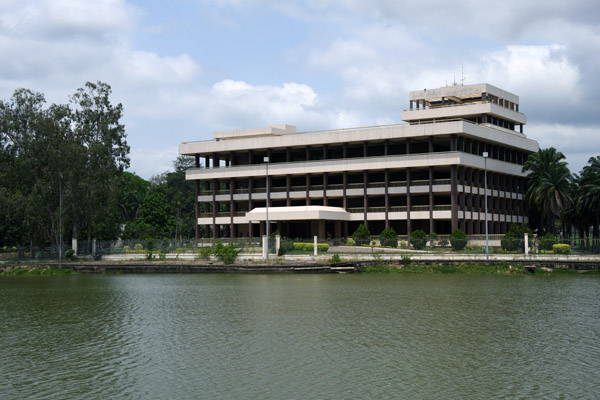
pixel 266 160
pixel 487 249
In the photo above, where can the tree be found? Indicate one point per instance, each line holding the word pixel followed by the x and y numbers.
pixel 587 204
pixel 514 239
pixel 361 235
pixel 548 185
pixel 103 154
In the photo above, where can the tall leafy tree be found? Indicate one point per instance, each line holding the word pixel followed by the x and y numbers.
pixel 548 185
pixel 102 154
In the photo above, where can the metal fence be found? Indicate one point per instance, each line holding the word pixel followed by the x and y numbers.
pixel 195 248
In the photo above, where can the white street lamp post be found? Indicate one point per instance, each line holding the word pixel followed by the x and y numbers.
pixel 487 249
pixel 266 159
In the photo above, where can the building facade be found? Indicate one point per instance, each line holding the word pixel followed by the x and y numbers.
pixel 425 174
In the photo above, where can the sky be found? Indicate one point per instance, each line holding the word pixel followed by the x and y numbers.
pixel 184 69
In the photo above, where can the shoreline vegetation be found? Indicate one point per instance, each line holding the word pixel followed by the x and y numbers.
pixel 378 268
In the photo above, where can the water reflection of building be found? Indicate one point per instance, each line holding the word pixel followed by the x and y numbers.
pixel 427 174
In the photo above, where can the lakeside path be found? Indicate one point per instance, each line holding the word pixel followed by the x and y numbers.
pixel 253 262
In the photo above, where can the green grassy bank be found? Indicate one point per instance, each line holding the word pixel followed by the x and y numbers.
pixel 37 270
pixel 501 269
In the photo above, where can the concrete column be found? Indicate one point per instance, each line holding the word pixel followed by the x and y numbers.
pixel 214 203
pixel 408 202
pixel 325 182
pixel 231 207
pixel 216 161
pixel 526 243
pixel 386 145
pixel 387 198
pixel 431 224
pixel 430 144
pixel 288 154
pixel 206 162
pixel 250 157
pixel 325 152
pixel 197 208
pixel 344 188
pixel 365 149
pixel 453 197
pixel 308 189
pixel 408 146
pixel 315 246
pixel 365 198
pixel 277 243
pixel 288 188
pixel 345 150
pixel 307 153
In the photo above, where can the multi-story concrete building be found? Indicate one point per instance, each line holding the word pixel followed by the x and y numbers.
pixel 426 174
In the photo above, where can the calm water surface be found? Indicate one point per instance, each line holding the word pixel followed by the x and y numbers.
pixel 299 336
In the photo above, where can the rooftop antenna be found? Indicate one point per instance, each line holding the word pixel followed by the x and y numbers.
pixel 463 77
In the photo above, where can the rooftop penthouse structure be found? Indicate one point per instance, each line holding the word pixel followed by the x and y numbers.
pixel 425 174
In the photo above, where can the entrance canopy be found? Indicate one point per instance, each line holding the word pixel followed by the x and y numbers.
pixel 298 213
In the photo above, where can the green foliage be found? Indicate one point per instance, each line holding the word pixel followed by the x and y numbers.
pixel 561 248
pixel 150 248
pixel 514 240
pixel 310 247
pixel 70 254
pixel 548 241
pixel 285 247
pixel 458 240
pixel 205 252
pixel 361 235
pixel 227 254
pixel 418 239
pixel 388 237
pixel 444 243
pixel 406 260
pixel 335 258
pixel 548 185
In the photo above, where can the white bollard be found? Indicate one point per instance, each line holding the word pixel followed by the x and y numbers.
pixel 264 246
pixel 74 245
pixel 277 243
pixel 526 243
pixel 315 249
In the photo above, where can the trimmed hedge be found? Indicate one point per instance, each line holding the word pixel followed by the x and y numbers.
pixel 562 248
pixel 321 247
pixel 458 240
pixel 300 246
pixel 388 237
pixel 418 239
pixel 361 235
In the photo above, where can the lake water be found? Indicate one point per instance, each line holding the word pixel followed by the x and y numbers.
pixel 299 336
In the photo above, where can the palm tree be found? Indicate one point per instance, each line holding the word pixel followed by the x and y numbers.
pixel 587 202
pixel 548 185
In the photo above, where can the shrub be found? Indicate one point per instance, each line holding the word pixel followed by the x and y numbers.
pixel 548 241
pixel 561 249
pixel 138 247
pixel 227 254
pixel 458 240
pixel 70 254
pixel 418 239
pixel 432 239
pixel 444 243
pixel 310 247
pixel 361 235
pixel 205 252
pixel 388 237
pixel 335 258
pixel 514 240
pixel 403 244
pixel 285 247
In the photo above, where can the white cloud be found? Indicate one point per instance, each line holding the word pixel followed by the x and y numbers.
pixel 577 143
